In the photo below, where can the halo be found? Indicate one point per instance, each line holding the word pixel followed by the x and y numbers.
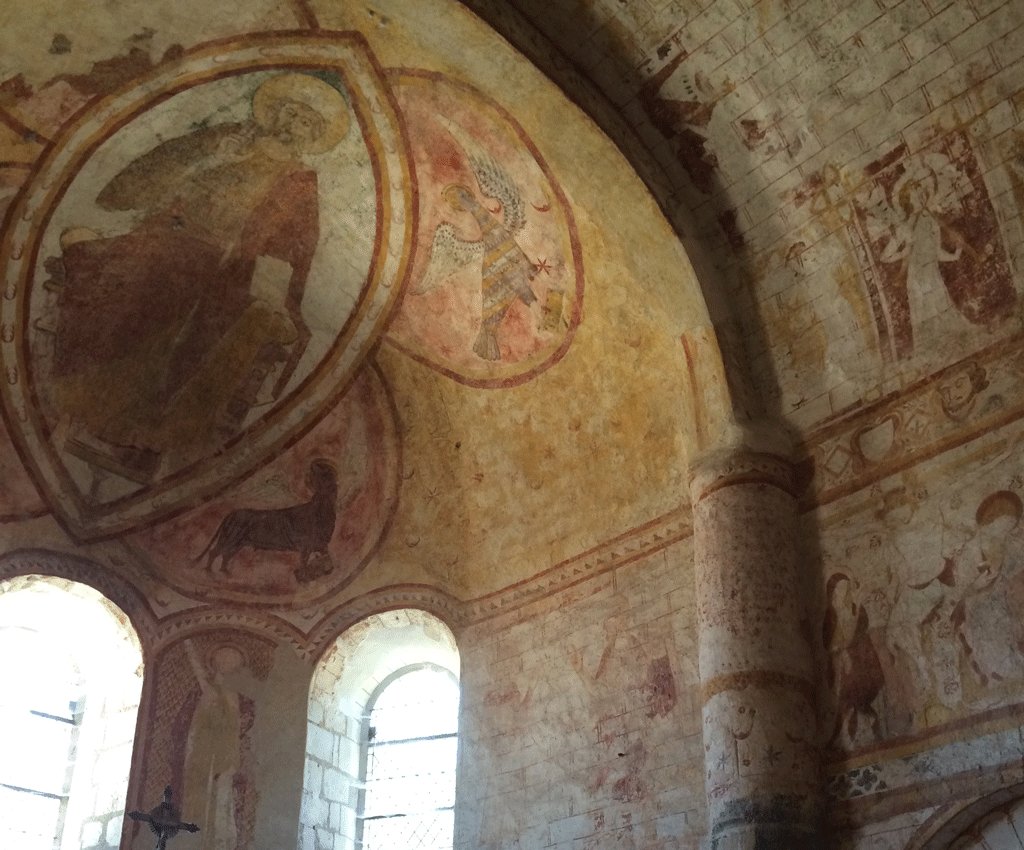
pixel 322 97
pixel 216 647
pixel 451 195
pixel 999 504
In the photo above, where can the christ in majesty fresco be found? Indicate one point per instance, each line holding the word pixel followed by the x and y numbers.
pixel 167 334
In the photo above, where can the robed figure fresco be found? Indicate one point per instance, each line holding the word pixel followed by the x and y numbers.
pixel 168 334
pixel 215 778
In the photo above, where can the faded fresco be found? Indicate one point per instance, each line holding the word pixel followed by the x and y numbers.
pixel 496 283
pixel 599 708
pixel 202 744
pixel 199 272
pixel 302 526
pixel 217 702
pixel 919 259
pixel 921 622
pixel 210 272
pixel 163 338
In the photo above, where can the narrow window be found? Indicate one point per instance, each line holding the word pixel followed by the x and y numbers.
pixel 392 788
pixel 411 752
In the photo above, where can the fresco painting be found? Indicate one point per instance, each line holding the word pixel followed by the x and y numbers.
pixel 496 282
pixel 211 268
pixel 199 272
pixel 921 624
pixel 301 527
pixel 922 227
pixel 211 280
pixel 201 740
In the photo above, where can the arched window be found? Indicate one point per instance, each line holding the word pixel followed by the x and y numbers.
pixel 71 668
pixel 375 710
pixel 411 737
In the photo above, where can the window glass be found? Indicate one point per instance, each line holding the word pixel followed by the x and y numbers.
pixel 412 749
pixel 37 709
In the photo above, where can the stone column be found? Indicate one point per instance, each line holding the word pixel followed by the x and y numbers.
pixel 756 667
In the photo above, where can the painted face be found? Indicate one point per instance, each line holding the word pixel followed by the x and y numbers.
pixel 296 125
pixel 956 391
pixel 226 660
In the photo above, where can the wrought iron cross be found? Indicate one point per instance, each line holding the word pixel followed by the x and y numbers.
pixel 165 821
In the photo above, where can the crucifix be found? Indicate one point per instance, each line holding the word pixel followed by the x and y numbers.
pixel 165 820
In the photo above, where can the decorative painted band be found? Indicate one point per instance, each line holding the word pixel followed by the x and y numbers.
pixel 761 679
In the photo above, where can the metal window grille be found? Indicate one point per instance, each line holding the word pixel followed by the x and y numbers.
pixel 411 753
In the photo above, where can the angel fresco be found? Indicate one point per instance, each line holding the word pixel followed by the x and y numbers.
pixel 505 269
pixel 496 286
pixel 165 335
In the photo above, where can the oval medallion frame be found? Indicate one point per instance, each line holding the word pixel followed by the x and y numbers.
pixel 206 115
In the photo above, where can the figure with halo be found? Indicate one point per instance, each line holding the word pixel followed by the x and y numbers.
pixel 168 334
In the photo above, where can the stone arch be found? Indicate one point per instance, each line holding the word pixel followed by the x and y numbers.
pixel 992 822
pixel 430 600
pixel 131 605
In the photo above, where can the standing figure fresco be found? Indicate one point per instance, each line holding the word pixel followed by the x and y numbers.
pixel 853 666
pixel 216 780
pixel 203 737
pixel 922 228
pixel 929 224
pixel 166 335
pixel 988 619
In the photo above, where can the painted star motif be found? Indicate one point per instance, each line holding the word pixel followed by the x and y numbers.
pixel 542 266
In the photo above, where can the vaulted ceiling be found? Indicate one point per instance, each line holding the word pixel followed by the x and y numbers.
pixel 846 178
pixel 854 169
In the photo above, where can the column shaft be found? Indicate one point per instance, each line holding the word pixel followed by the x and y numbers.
pixel 756 668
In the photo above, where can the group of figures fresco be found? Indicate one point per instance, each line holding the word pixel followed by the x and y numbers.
pixel 212 273
pixel 922 624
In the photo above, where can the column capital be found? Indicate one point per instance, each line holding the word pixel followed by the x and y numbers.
pixel 758 452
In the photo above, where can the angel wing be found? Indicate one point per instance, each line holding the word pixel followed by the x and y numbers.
pixel 494 181
pixel 449 253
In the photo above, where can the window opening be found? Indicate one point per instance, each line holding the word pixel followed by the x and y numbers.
pixel 71 674
pixel 41 710
pixel 411 752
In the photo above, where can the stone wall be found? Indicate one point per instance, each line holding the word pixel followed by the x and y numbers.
pixel 581 717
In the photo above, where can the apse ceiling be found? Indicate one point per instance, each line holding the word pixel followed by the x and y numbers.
pixel 846 176
pixel 298 303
